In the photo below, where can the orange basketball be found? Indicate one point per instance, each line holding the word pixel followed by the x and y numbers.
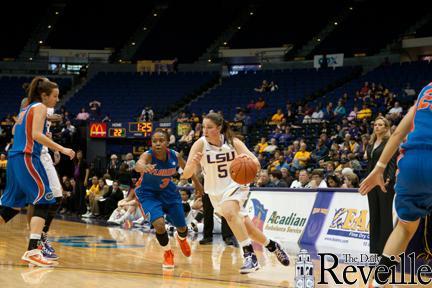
pixel 243 170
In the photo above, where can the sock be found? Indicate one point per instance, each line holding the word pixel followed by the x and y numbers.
pixel 34 241
pixel 271 246
pixel 247 246
pixel 182 235
pixel 163 241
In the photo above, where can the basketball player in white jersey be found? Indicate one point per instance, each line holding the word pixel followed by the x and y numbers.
pixel 214 153
pixel 47 250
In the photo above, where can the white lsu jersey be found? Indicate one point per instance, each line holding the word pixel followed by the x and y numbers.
pixel 50 112
pixel 215 165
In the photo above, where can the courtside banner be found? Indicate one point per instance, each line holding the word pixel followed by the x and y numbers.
pixel 280 214
pixel 339 220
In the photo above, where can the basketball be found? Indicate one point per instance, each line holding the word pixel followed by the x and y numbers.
pixel 243 170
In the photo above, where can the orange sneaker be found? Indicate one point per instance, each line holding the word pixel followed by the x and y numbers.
pixel 36 258
pixel 168 259
pixel 184 245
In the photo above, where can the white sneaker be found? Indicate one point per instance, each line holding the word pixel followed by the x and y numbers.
pixel 87 215
pixel 36 258
pixel 139 222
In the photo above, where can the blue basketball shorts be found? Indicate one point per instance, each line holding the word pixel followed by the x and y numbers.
pixel 26 182
pixel 413 187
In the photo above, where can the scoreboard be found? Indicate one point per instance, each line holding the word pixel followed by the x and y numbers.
pixel 130 130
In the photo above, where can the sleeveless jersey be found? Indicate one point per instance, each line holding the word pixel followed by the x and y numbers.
pixel 160 179
pixel 215 164
pixel 50 112
pixel 23 140
pixel 420 136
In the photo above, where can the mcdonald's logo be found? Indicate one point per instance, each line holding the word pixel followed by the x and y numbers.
pixel 98 130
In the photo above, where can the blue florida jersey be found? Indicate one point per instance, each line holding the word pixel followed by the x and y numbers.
pixel 420 136
pixel 23 139
pixel 159 181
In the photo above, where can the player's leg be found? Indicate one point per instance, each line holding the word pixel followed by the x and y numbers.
pixel 150 206
pixel 10 195
pixel 176 213
pixel 7 213
pixel 272 246
pixel 231 211
pixel 34 182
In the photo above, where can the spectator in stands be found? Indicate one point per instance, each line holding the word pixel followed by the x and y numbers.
pixel 264 87
pixel 262 145
pixel 380 203
pixel 113 166
pixel 286 137
pixel 130 162
pixel 317 115
pixel 329 112
pixel 182 118
pixel 276 179
pixel 290 113
pixel 111 198
pixel 92 195
pixel 273 86
pixel 260 104
pixel 95 109
pixel 263 179
pixel 83 115
pixel 172 139
pixel 197 132
pixel 317 179
pixel 303 180
pixel 329 168
pixel 124 177
pixel 69 190
pixel 251 105
pixel 333 181
pixel 365 89
pixel 239 116
pixel 301 158
pixel 340 110
pixel 364 113
pixel 147 115
pixel 353 114
pixel 272 147
pixel 286 176
pixel 351 181
pixel 396 111
pixel 195 119
pixel 320 152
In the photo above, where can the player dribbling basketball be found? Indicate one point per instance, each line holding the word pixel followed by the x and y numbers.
pixel 214 153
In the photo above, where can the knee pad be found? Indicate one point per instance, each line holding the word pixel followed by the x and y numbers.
pixel 183 234
pixel 162 238
pixel 41 210
pixel 7 213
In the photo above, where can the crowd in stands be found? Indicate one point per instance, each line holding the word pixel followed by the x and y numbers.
pixel 304 145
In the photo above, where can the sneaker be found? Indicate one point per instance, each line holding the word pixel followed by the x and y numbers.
pixel 184 245
pixel 194 227
pixel 282 257
pixel 139 222
pixel 87 215
pixel 250 263
pixel 47 244
pixel 206 241
pixel 168 259
pixel 49 255
pixel 36 258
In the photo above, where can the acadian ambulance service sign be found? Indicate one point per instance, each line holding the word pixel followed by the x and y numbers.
pixel 280 215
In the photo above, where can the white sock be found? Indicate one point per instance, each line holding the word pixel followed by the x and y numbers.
pixel 246 242
pixel 167 247
pixel 35 236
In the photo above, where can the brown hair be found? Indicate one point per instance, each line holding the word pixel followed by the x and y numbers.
pixel 386 135
pixel 217 119
pixel 38 86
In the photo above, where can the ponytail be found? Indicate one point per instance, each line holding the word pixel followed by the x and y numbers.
pixel 38 86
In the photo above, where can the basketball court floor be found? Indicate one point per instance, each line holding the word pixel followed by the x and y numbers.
pixel 98 256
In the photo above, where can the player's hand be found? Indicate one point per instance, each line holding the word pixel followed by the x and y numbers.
pixel 144 168
pixel 375 178
pixel 243 155
pixel 68 152
pixel 197 158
